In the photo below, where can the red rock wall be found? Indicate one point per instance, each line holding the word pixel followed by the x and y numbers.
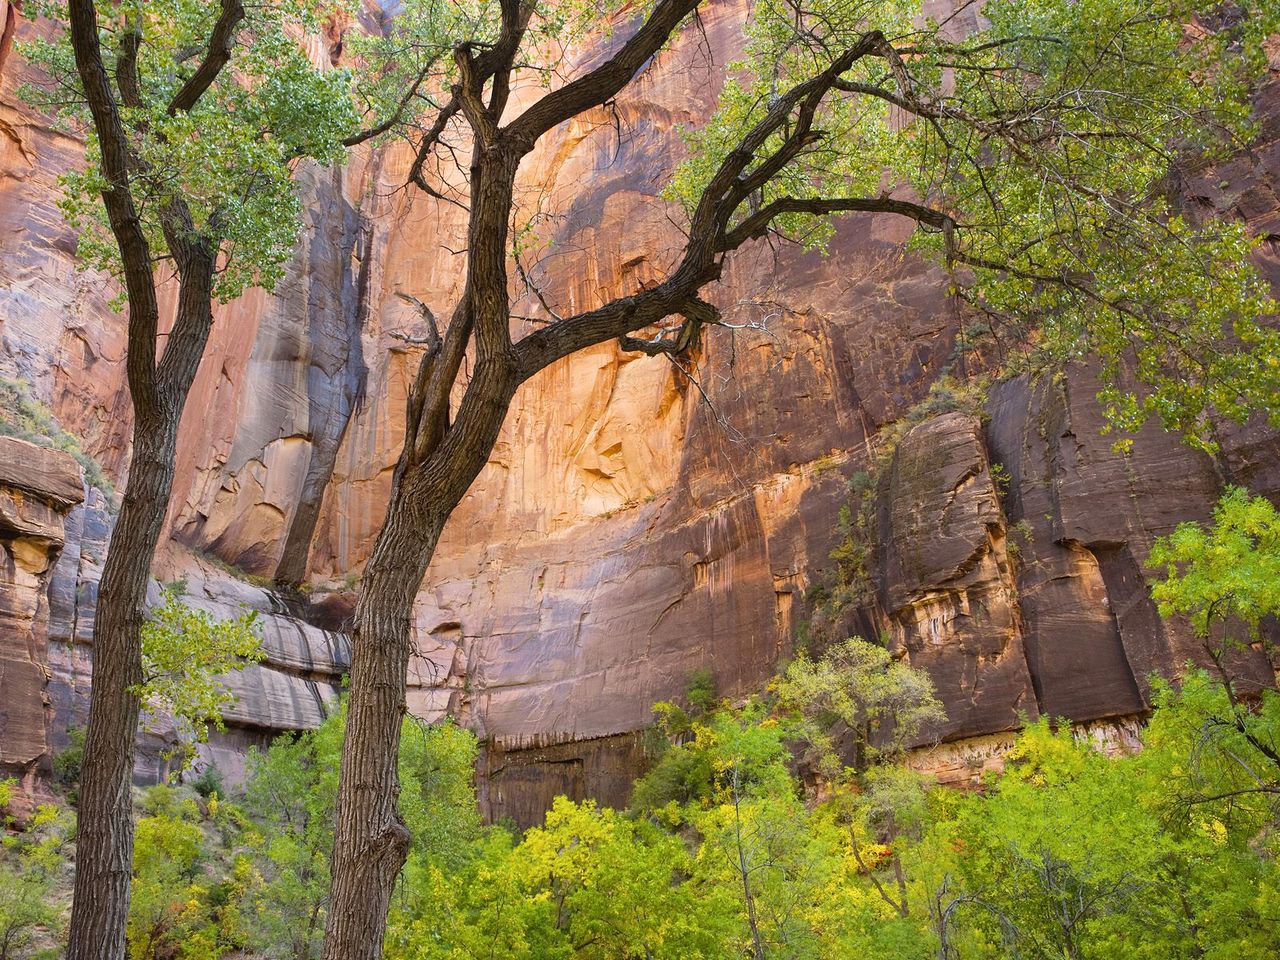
pixel 627 529
pixel 38 487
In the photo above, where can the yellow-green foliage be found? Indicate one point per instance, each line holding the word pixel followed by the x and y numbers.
pixel 732 848
pixel 882 704
pixel 185 655
pixel 1229 570
pixel 187 888
pixel 1048 134
pixel 590 883
pixel 1072 852
pixel 32 863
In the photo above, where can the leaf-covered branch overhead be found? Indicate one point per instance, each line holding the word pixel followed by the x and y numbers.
pixel 207 107
pixel 1034 153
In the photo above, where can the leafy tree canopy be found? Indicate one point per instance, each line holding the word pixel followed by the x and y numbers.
pixel 1042 144
pixel 883 704
pixel 225 153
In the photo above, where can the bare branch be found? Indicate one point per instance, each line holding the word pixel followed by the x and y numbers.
pixel 429 143
pixel 709 237
pixel 697 312
pixel 432 340
pixel 603 83
pixel 397 115
pixel 758 223
pixel 501 57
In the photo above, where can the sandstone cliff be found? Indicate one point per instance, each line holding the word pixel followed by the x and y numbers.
pixel 37 489
pixel 635 522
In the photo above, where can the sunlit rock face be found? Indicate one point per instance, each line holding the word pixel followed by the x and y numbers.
pixel 635 521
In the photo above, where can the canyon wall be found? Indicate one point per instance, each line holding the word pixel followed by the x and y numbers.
pixel 37 489
pixel 636 520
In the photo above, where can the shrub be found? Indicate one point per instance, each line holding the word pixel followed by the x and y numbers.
pixel 67 762
pixel 209 782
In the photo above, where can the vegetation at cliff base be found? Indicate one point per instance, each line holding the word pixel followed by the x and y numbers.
pixel 798 824
pixel 747 840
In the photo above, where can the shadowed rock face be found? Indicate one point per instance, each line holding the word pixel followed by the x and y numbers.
pixel 631 525
pixel 37 488
pixel 947 581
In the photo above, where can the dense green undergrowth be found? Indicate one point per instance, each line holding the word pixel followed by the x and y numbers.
pixel 1072 852
pixel 792 825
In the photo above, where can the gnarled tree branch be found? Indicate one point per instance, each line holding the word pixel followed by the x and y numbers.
pixel 602 84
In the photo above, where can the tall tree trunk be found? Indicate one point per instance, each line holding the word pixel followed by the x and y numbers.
pixel 744 872
pixel 372 841
pixel 104 831
pixel 440 458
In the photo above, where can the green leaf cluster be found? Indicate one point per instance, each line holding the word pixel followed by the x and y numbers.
pixel 1082 848
pixel 882 705
pixel 248 873
pixel 1050 133
pixel 188 887
pixel 186 653
pixel 32 863
pixel 1230 570
pixel 230 157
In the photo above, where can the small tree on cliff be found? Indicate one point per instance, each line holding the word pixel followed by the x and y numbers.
pixel 1031 154
pixel 194 113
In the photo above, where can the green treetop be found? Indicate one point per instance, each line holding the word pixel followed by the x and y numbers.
pixel 1229 570
pixel 226 152
pixel 1038 155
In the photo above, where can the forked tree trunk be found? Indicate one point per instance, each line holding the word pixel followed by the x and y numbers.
pixel 371 840
pixel 440 458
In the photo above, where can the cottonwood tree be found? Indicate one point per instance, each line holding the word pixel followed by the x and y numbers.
pixel 881 707
pixel 1225 579
pixel 194 113
pixel 883 704
pixel 1032 155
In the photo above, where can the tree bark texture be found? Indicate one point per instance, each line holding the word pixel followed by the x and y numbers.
pixel 371 841
pixel 104 830
pixel 158 388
